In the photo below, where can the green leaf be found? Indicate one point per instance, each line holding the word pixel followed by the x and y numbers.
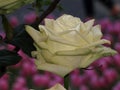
pixel 47 2
pixel 59 7
pixel 66 81
pixel 8 58
pixel 7 27
pixel 22 40
pixel 2 71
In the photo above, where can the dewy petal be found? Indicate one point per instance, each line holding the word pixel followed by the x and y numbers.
pixel 57 69
pixel 57 87
pixel 97 34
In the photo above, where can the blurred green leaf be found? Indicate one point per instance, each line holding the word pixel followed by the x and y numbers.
pixel 2 71
pixel 7 28
pixel 22 40
pixel 59 7
pixel 47 2
pixel 8 58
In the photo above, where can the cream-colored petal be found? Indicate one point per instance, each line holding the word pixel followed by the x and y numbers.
pixel 89 24
pixel 79 51
pixel 82 28
pixel 49 24
pixel 86 34
pixel 89 36
pixel 76 38
pixel 55 37
pixel 54 46
pixel 106 51
pixel 62 60
pixel 33 33
pixel 63 41
pixel 39 57
pixel 86 60
pixel 36 36
pixel 57 69
pixel 99 52
pixel 102 41
pixel 57 87
pixel 97 34
pixel 67 22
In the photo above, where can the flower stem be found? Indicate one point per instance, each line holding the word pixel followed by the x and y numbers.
pixel 66 81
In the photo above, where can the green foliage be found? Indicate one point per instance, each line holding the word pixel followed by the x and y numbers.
pixel 8 58
pixel 22 40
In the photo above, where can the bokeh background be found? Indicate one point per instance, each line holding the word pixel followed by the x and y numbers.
pixel 103 74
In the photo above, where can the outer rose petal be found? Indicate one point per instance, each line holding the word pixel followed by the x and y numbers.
pixel 96 54
pixel 57 87
pixel 97 34
pixel 89 24
pixel 57 69
pixel 49 24
pixel 37 36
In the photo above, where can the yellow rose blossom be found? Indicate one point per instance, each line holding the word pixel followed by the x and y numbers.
pixel 57 87
pixel 67 43
pixel 7 6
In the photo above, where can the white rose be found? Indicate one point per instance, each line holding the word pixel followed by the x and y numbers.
pixel 7 6
pixel 67 43
pixel 57 87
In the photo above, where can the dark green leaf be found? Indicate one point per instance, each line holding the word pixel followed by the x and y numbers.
pixel 8 58
pixel 22 40
pixel 59 7
pixel 47 2
pixel 2 71
pixel 66 81
pixel 7 27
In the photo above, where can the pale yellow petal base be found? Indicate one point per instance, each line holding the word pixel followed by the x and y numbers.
pixel 57 69
pixel 57 87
